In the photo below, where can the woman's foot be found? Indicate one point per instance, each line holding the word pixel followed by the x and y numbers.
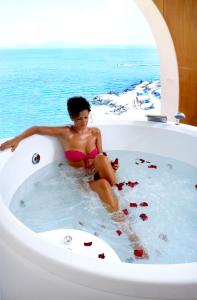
pixel 139 251
pixel 119 216
pixel 115 164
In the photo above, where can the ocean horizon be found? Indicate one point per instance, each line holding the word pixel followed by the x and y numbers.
pixel 36 83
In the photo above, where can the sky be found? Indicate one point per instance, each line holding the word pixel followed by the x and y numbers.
pixel 64 23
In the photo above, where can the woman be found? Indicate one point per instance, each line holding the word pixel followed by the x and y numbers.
pixel 83 149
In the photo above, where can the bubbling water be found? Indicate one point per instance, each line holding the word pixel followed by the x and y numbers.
pixel 158 193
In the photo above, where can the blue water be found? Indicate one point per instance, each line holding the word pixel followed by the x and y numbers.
pixel 35 83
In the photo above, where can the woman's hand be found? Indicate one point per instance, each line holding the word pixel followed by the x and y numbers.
pixel 115 164
pixel 13 143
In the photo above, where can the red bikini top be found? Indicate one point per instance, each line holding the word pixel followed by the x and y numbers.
pixel 75 155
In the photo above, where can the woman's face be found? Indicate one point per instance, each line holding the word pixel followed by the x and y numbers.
pixel 81 121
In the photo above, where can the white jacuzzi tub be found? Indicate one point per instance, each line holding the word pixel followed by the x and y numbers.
pixel 33 269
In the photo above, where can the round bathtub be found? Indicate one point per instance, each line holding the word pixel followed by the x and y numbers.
pixel 31 268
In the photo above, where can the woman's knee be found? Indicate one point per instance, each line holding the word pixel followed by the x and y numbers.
pixel 104 184
pixel 100 185
pixel 104 168
pixel 101 159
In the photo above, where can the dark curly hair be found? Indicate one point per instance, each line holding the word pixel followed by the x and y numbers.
pixel 77 104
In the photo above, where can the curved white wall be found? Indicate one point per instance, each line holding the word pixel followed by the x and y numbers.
pixel 167 54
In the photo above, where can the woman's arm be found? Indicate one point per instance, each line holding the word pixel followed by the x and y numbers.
pixel 114 164
pixel 99 141
pixel 45 130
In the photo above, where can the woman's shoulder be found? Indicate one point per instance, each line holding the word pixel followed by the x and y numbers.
pixel 67 127
pixel 95 131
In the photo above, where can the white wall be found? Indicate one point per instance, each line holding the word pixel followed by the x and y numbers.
pixel 167 54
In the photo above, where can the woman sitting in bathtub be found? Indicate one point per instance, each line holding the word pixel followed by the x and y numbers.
pixel 83 149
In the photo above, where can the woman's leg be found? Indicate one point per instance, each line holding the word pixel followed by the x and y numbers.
pixel 104 190
pixel 104 169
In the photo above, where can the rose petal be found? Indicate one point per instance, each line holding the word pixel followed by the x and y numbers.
pixel 143 204
pixel 132 184
pixel 144 217
pixel 138 252
pixel 152 167
pixel 196 186
pixel 87 243
pixel 125 211
pixel 119 232
pixel 120 185
pixel 101 255
pixel 133 204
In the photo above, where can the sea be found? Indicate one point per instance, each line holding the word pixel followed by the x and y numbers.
pixel 36 83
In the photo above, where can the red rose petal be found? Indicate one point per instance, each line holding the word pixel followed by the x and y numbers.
pixel 87 243
pixel 101 255
pixel 138 252
pixel 144 204
pixel 125 211
pixel 119 232
pixel 133 204
pixel 144 217
pixel 196 186
pixel 152 167
pixel 120 185
pixel 132 184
